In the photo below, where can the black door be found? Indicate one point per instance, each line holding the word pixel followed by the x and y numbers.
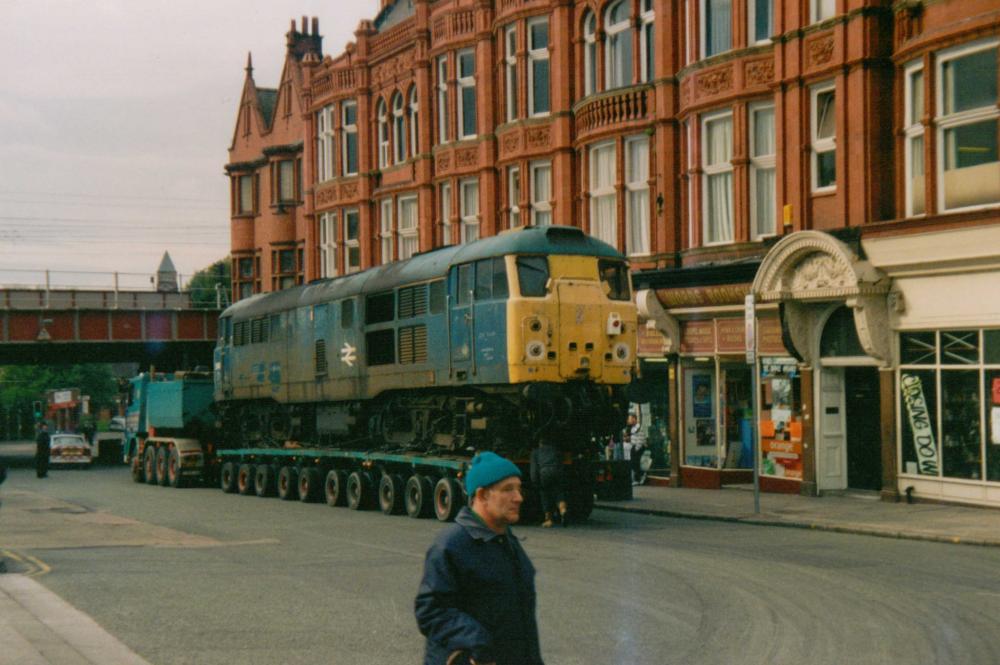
pixel 864 431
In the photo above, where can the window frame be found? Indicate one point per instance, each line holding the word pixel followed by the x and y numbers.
pixel 752 37
pixel 464 83
pixel 540 206
pixel 538 56
pixel 444 194
pixel 617 46
pixel 284 171
pixel 469 218
pixel 633 186
pixel 913 130
pixel 821 146
pixel 407 238
pixel 599 193
pixel 351 242
pixel 250 209
pixel 510 72
pixel 647 41
pixel 326 143
pixel 413 115
pixel 385 230
pixel 590 82
pixel 328 244
pixel 710 170
pixel 704 30
pixel 761 163
pixel 398 129
pixel 817 13
pixel 382 120
pixel 442 98
pixel 349 131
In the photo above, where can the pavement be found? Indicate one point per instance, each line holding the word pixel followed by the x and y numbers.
pixel 849 512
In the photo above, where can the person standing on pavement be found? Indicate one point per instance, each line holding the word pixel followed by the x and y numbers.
pixel 476 600
pixel 547 476
pixel 636 446
pixel 42 450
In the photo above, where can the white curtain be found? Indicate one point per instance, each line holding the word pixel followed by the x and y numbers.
pixel 720 26
pixel 764 201
pixel 719 177
pixel 637 207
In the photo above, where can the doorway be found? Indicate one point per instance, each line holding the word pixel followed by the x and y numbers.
pixel 864 430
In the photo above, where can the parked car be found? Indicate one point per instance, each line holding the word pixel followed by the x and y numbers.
pixel 70 449
pixel 117 424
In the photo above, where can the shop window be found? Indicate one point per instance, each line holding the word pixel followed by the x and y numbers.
pixel 968 122
pixel 960 441
pixel 325 150
pixel 385 231
pixel 991 347
pixel 466 94
pixel 647 40
pixel 991 393
pixel 840 336
pixel 445 196
pixel 328 244
pixel 469 190
pixel 398 128
pixel 918 348
pixel 914 132
pixel 700 414
pixel 603 173
pixel 589 55
pixel 383 134
pixel 352 247
pixel 349 140
pixel 541 193
pixel 538 67
pixel 717 151
pixel 442 98
pixel 618 45
pixel 510 71
pixel 637 224
pixel 780 418
pixel 824 136
pixel 959 347
pixel 762 171
pixel 717 26
pixel 409 243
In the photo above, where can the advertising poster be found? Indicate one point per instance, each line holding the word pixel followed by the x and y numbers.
pixel 701 390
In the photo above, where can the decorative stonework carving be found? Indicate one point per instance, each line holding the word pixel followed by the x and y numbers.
pixel 510 143
pixel 715 81
pixel 466 157
pixel 537 137
pixel 820 272
pixel 871 318
pixel 820 50
pixel 326 195
pixel 349 190
pixel 443 162
pixel 686 93
pixel 759 72
pixel 388 70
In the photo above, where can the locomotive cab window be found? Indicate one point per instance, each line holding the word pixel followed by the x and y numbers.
pixel 614 276
pixel 436 296
pixel 491 279
pixel 465 283
pixel 533 275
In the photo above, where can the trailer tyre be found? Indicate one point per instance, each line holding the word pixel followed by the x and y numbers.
pixel 335 487
pixel 149 464
pixel 227 477
pixel 162 456
pixel 419 496
pixel 447 499
pixel 245 479
pixel 288 486
pixel 390 494
pixel 359 491
pixel 309 485
pixel 137 472
pixel 263 480
pixel 174 477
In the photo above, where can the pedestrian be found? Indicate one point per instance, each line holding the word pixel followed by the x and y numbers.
pixel 635 447
pixel 476 602
pixel 547 476
pixel 42 450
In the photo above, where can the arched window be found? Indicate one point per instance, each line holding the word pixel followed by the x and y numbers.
pixel 414 124
pixel 398 128
pixel 618 46
pixel 383 135
pixel 589 54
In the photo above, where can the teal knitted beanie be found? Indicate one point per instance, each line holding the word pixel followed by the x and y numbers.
pixel 488 468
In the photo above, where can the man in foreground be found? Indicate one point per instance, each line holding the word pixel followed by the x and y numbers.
pixel 477 595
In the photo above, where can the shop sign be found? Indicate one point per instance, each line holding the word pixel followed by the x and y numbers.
pixel 769 336
pixel 920 424
pixel 778 365
pixel 62 397
pixel 651 342
pixel 698 337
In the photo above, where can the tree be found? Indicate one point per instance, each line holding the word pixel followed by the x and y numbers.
pixel 21 385
pixel 211 284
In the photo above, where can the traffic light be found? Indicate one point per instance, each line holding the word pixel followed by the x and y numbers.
pixel 37 408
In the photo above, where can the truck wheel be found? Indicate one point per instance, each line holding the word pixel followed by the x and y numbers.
pixel 244 479
pixel 308 485
pixel 174 476
pixel 162 454
pixel 263 480
pixel 137 474
pixel 288 486
pixel 227 478
pixel 418 496
pixel 359 490
pixel 390 494
pixel 149 464
pixel 335 487
pixel 447 499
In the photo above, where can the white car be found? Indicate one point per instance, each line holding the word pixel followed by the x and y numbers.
pixel 70 449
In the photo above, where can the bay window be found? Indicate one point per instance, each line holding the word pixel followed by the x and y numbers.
pixel 589 54
pixel 409 242
pixel 538 66
pixel 760 20
pixel 352 245
pixel 469 209
pixel 445 197
pixel 603 173
pixel 647 40
pixel 245 199
pixel 349 140
pixel 913 130
pixel 717 179
pixel 466 94
pixel 762 171
pixel 510 71
pixel 637 195
pixel 325 151
pixel 717 27
pixel 442 98
pixel 328 244
pixel 385 231
pixel 618 45
pixel 541 193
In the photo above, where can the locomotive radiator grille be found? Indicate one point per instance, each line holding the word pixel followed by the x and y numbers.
pixel 412 345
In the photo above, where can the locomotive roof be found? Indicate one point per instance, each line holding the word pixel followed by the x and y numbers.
pixel 424 267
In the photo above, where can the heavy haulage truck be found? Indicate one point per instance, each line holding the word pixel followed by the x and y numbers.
pixel 377 388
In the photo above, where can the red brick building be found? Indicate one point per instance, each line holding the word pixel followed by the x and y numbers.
pixel 836 158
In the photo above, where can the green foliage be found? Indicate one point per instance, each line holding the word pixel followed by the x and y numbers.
pixel 21 385
pixel 202 284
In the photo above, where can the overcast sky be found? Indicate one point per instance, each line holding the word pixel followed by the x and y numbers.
pixel 115 121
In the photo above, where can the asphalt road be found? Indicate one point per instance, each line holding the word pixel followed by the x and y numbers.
pixel 195 576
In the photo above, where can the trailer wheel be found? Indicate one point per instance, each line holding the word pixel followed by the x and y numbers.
pixel 419 496
pixel 137 473
pixel 174 477
pixel 308 485
pixel 162 454
pixel 227 477
pixel 263 480
pixel 244 479
pixel 288 486
pixel 390 494
pixel 447 499
pixel 149 464
pixel 335 487
pixel 359 490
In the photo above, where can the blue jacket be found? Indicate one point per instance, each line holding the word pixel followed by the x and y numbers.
pixel 478 594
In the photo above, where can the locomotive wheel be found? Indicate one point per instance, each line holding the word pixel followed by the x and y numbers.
pixel 419 496
pixel 138 476
pixel 162 455
pixel 335 487
pixel 447 499
pixel 308 485
pixel 263 480
pixel 149 465
pixel 227 478
pixel 359 490
pixel 288 486
pixel 244 479
pixel 174 477
pixel 390 494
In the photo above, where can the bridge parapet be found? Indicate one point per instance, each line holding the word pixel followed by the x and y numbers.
pixel 33 299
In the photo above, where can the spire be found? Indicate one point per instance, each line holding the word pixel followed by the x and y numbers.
pixel 249 67
pixel 166 275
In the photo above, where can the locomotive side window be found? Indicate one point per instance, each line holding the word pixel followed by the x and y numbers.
pixel 500 289
pixel 533 274
pixel 614 275
pixel 436 296
pixel 491 279
pixel 381 345
pixel 347 313
pixel 464 284
pixel 380 307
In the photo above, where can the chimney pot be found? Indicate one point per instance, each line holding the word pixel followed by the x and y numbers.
pixel 305 26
